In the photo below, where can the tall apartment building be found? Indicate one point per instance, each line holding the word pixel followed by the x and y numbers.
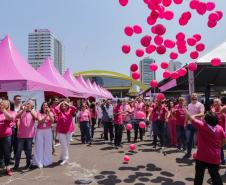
pixel 174 65
pixel 146 74
pixel 42 43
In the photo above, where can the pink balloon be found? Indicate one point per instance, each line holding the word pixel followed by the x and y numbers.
pixel 123 2
pixel 192 66
pixel 169 43
pixel 158 29
pixel 154 14
pixel 198 37
pixel 200 47
pixel 194 55
pixel 158 40
pixel 132 147
pixel 174 75
pixel 145 41
pixel 211 24
pixel 180 36
pixel 153 67
pixel 126 49
pixel 166 74
pixel 168 15
pixel 164 65
pixel 178 1
pixel 134 67
pixel 173 55
pixel 186 15
pixel 139 52
pixel 182 72
pixel 201 8
pixel 194 4
pixel 154 83
pixel 220 14
pixel 161 49
pixel 213 17
pixel 216 62
pixel 160 96
pixel 183 21
pixel 136 75
pixel 210 6
pixel 129 126
pixel 137 29
pixel 142 125
pixel 166 3
pixel 182 50
pixel 150 49
pixel 161 10
pixel 191 41
pixel 126 158
pixel 181 43
pixel 128 31
pixel 140 115
pixel 151 21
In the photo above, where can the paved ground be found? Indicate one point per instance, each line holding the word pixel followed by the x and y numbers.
pixel 104 165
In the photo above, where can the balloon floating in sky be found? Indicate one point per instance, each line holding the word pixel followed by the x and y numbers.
pixel 192 66
pixel 158 29
pixel 178 1
pixel 139 52
pixel 175 75
pixel 146 40
pixel 210 5
pixel 200 47
pixel 216 62
pixel 166 3
pixel 166 74
pixel 128 31
pixel 137 29
pixel 153 67
pixel 136 75
pixel 126 49
pixel 173 55
pixel 161 49
pixel 154 83
pixel 150 49
pixel 168 15
pixel 158 40
pixel 182 71
pixel 134 67
pixel 164 65
pixel 194 55
pixel 123 2
pixel 169 43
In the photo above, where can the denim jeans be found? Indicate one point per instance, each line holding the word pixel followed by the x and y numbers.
pixel 181 137
pixel 26 145
pixel 5 144
pixel 108 128
pixel 85 132
pixel 137 128
pixel 118 134
pixel 190 137
pixel 158 130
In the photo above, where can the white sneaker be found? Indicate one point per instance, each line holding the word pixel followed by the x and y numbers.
pixel 40 166
pixel 64 162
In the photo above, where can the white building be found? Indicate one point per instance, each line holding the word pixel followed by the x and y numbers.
pixel 42 43
pixel 145 73
pixel 174 65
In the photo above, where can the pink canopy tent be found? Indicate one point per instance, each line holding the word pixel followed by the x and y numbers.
pixel 17 74
pixel 94 90
pixel 73 81
pixel 48 70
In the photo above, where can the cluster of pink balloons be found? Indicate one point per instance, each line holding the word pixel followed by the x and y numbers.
pixel 185 17
pixel 213 18
pixel 123 2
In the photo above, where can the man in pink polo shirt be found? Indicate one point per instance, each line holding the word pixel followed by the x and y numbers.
pixel 211 138
pixel 26 132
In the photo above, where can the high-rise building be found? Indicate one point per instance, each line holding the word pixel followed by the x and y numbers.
pixel 42 43
pixel 174 65
pixel 145 73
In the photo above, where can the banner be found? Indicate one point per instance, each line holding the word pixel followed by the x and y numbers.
pixel 36 96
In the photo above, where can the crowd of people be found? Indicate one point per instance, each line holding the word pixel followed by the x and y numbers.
pixel 170 122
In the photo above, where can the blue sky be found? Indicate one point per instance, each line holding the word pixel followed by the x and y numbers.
pixel 92 30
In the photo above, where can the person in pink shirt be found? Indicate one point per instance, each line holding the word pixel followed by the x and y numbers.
pixel 65 127
pixel 172 124
pixel 43 140
pixel 126 115
pixel 211 138
pixel 84 121
pixel 6 124
pixel 118 122
pixel 26 132
pixel 179 112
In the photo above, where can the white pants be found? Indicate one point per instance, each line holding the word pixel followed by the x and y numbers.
pixel 43 147
pixel 64 140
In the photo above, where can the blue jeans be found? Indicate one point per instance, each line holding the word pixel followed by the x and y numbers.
pixel 85 132
pixel 181 138
pixel 26 145
pixel 190 137
pixel 5 144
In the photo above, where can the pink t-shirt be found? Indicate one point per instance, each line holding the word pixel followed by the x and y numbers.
pixel 159 113
pixel 209 142
pixel 84 116
pixel 138 107
pixel 46 124
pixel 118 116
pixel 127 110
pixel 5 125
pixel 26 126
pixel 180 115
pixel 65 123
